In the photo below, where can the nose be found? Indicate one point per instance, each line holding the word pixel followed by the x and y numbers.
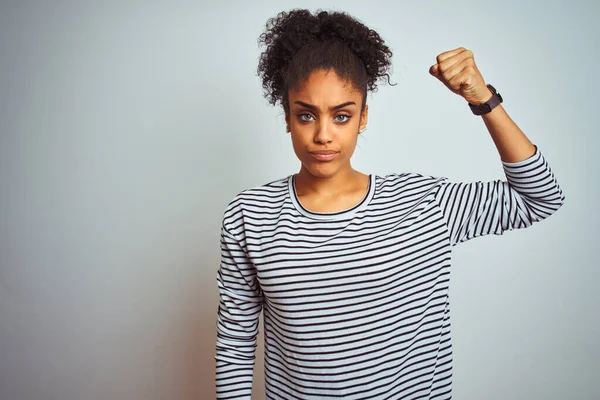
pixel 323 134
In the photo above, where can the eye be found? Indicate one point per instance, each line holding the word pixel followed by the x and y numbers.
pixel 301 116
pixel 347 117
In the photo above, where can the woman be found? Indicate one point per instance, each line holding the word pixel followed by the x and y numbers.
pixel 351 269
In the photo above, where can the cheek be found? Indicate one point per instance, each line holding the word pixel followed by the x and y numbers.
pixel 298 144
pixel 350 143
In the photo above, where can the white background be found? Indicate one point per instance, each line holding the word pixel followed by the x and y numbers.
pixel 127 126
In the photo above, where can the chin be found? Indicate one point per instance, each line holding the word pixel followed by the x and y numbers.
pixel 322 170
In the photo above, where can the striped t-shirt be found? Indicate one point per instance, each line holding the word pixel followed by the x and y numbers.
pixel 356 302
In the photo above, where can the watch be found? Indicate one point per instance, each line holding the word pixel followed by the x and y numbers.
pixel 489 105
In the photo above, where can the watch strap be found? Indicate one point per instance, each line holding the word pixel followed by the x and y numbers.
pixel 489 105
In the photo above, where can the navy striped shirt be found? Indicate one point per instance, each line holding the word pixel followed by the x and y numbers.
pixel 356 302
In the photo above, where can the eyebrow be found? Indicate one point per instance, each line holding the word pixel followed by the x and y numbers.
pixel 310 106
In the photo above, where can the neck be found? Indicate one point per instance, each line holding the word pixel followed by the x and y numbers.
pixel 307 184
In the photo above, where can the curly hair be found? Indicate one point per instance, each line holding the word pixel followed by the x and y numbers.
pixel 298 42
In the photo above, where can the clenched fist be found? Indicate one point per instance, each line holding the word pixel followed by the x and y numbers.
pixel 457 70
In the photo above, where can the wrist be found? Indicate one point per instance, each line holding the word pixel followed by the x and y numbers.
pixel 487 106
pixel 480 96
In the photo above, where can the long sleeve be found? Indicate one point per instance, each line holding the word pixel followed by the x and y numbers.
pixel 529 194
pixel 238 319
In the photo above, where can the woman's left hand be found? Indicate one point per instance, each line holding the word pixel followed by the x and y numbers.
pixel 457 70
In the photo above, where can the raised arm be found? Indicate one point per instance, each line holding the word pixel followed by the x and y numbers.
pixel 530 192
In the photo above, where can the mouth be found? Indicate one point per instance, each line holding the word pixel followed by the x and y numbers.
pixel 324 155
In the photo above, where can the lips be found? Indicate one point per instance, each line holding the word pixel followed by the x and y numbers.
pixel 324 155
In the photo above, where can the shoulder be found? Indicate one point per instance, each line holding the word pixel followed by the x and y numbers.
pixel 256 200
pixel 401 181
pixel 406 189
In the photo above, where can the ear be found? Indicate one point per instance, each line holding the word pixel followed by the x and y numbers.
pixel 364 117
pixel 287 121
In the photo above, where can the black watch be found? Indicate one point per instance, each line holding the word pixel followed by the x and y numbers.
pixel 489 105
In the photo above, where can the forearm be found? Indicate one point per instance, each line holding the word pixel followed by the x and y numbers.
pixel 511 142
pixel 457 70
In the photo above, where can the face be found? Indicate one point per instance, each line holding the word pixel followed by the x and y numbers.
pixel 325 118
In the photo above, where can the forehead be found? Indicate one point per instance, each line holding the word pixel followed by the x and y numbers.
pixel 325 87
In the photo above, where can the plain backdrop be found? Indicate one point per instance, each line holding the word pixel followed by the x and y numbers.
pixel 127 126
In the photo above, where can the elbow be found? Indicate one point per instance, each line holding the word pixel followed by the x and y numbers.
pixel 558 200
pixel 540 210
